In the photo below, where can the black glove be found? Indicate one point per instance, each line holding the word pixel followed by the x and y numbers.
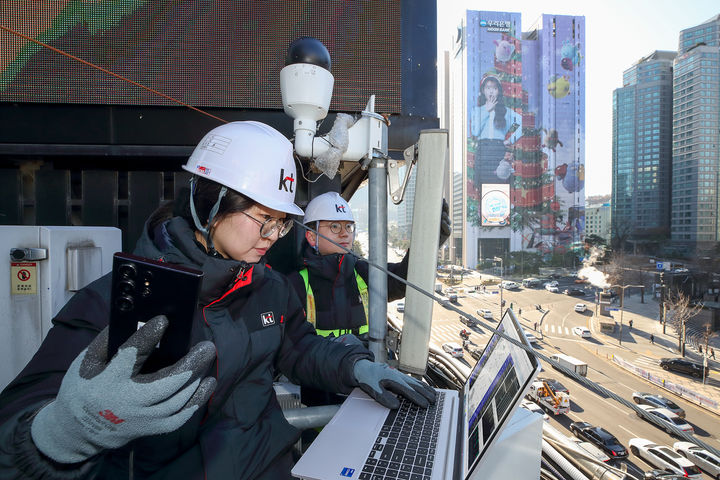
pixel 445 223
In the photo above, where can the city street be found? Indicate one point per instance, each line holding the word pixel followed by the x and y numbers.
pixel 554 334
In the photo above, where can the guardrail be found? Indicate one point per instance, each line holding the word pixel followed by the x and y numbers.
pixel 686 393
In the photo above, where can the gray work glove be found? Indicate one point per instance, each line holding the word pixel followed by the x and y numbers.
pixel 378 380
pixel 445 223
pixel 104 405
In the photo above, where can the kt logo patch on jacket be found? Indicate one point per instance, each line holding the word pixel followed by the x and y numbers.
pixel 267 319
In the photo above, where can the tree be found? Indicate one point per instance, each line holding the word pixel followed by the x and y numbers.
pixel 595 240
pixel 682 311
pixel 621 231
pixel 357 249
pixel 615 269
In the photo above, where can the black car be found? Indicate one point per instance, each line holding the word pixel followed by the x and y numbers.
pixel 574 292
pixel 599 437
pixel 554 385
pixel 681 365
pixel 475 353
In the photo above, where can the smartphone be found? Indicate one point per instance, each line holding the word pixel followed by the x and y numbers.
pixel 143 288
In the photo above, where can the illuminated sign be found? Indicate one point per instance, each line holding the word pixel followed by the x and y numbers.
pixel 495 205
pixel 496 25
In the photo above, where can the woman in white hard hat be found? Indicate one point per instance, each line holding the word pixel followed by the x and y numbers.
pixel 94 416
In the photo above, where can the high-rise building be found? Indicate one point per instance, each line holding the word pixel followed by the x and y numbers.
pixel 642 151
pixel 597 220
pixel 696 137
pixel 517 122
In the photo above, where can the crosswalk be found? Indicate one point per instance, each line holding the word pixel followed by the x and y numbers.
pixel 451 332
pixel 556 330
pixel 643 361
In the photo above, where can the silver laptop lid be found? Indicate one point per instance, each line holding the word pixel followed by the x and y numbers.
pixel 496 385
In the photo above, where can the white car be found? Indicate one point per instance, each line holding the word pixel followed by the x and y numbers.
pixel 700 457
pixel 453 349
pixel 663 457
pixel 508 285
pixel 535 408
pixel 580 307
pixel 583 332
pixel 656 400
pixel 400 307
pixel 531 338
pixel 668 419
pixel 552 288
pixel 486 314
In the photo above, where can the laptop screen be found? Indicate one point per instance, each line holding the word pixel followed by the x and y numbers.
pixel 494 386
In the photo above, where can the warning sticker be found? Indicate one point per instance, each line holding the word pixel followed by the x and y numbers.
pixel 23 278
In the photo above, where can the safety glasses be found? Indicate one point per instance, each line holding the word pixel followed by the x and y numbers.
pixel 337 227
pixel 267 228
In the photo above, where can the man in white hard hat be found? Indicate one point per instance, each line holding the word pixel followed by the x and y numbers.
pixel 332 283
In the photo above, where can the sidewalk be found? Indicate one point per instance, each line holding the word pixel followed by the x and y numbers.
pixel 637 349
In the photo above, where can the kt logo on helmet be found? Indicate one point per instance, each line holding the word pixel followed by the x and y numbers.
pixel 339 208
pixel 283 185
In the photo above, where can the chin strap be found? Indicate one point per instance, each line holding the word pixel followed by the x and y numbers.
pixel 213 212
pixel 317 237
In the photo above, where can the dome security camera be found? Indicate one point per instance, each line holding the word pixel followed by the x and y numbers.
pixel 306 85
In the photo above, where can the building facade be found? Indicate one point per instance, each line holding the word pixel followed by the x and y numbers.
pixel 642 151
pixel 598 220
pixel 520 141
pixel 696 137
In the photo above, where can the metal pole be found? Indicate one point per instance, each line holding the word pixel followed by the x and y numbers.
pixel 501 288
pixel 662 302
pixel 622 309
pixel 377 279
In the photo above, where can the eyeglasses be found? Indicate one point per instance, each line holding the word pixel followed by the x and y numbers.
pixel 337 227
pixel 280 225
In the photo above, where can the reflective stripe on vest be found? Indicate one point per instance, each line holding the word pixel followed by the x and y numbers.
pixel 310 307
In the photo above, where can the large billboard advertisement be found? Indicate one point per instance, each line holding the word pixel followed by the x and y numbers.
pixel 495 205
pixel 209 53
pixel 525 129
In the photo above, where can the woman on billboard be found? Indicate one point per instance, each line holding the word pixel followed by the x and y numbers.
pixel 491 119
pixel 494 128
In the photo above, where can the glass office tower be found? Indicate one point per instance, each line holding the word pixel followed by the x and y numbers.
pixel 642 154
pixel 696 137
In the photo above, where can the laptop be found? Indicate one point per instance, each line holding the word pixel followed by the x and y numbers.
pixel 366 441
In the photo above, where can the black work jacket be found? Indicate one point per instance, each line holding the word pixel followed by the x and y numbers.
pixel 242 430
pixel 338 304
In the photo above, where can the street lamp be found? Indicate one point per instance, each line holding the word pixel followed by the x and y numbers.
pixel 499 259
pixel 622 303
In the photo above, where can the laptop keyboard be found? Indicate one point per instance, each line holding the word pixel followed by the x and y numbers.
pixel 405 447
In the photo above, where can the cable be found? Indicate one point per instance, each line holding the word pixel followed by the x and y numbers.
pixel 104 70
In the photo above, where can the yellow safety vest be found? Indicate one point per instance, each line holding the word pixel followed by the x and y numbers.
pixel 362 287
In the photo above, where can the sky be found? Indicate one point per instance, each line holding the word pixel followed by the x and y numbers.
pixel 618 34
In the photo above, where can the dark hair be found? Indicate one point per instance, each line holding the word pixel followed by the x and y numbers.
pixel 500 109
pixel 206 194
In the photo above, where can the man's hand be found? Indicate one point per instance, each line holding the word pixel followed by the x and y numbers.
pixel 103 404
pixel 378 380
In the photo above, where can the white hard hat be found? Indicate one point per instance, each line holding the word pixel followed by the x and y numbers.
pixel 328 206
pixel 251 158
